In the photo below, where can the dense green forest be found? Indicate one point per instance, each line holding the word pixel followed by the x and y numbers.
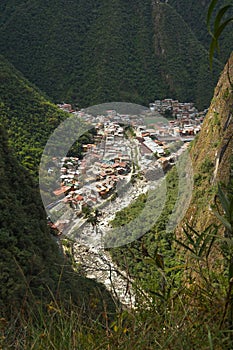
pixel 187 71
pixel 101 51
pixel 94 52
pixel 29 117
pixel 36 275
pixel 33 268
pixel 194 13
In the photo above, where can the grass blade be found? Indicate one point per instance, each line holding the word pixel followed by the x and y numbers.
pixel 210 11
pixel 219 17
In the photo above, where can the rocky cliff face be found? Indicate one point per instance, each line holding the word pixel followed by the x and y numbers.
pixel 212 151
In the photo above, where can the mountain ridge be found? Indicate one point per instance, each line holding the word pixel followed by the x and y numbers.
pixel 105 51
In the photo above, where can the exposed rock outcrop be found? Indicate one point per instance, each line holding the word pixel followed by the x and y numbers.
pixel 212 152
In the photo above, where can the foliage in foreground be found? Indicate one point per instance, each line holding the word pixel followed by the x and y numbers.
pixel 220 23
pixel 190 306
pixel 191 318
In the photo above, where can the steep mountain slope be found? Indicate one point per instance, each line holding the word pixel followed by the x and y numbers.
pixel 100 51
pixel 27 115
pixel 33 271
pixel 184 62
pixel 211 154
pixel 28 254
pixel 194 13
pixel 212 151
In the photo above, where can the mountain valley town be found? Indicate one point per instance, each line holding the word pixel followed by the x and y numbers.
pixel 128 153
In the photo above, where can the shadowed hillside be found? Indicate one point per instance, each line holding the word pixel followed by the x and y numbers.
pixel 194 13
pixel 27 115
pixel 101 51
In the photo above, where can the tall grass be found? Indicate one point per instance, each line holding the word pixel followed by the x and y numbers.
pixel 188 319
pixel 194 314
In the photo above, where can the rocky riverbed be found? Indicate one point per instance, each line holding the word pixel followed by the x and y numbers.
pixel 97 264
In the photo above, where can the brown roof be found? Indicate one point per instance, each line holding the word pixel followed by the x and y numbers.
pixel 79 197
pixel 61 190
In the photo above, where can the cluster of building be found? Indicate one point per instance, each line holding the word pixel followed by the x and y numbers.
pixel 178 110
pixel 88 181
pixel 111 116
pixel 66 107
pixel 110 160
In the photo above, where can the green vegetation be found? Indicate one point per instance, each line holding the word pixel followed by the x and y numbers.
pixel 194 13
pixel 129 132
pixel 183 296
pixel 185 63
pixel 35 273
pixel 30 118
pixel 220 23
pixel 33 269
pixel 143 258
pixel 109 50
pixel 27 115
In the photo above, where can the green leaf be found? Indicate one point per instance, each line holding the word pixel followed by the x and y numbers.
pixel 203 247
pixel 209 239
pixel 223 220
pixel 210 340
pixel 224 201
pixel 214 233
pixel 210 11
pixel 219 17
pixel 222 27
pixel 191 241
pixel 185 246
pixel 192 229
pixel 217 27
pixel 213 46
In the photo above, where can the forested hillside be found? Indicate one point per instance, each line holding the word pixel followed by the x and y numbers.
pixel 96 51
pixel 27 115
pixel 194 13
pixel 29 257
pixel 33 269
pixel 35 274
pixel 184 62
pixel 100 51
